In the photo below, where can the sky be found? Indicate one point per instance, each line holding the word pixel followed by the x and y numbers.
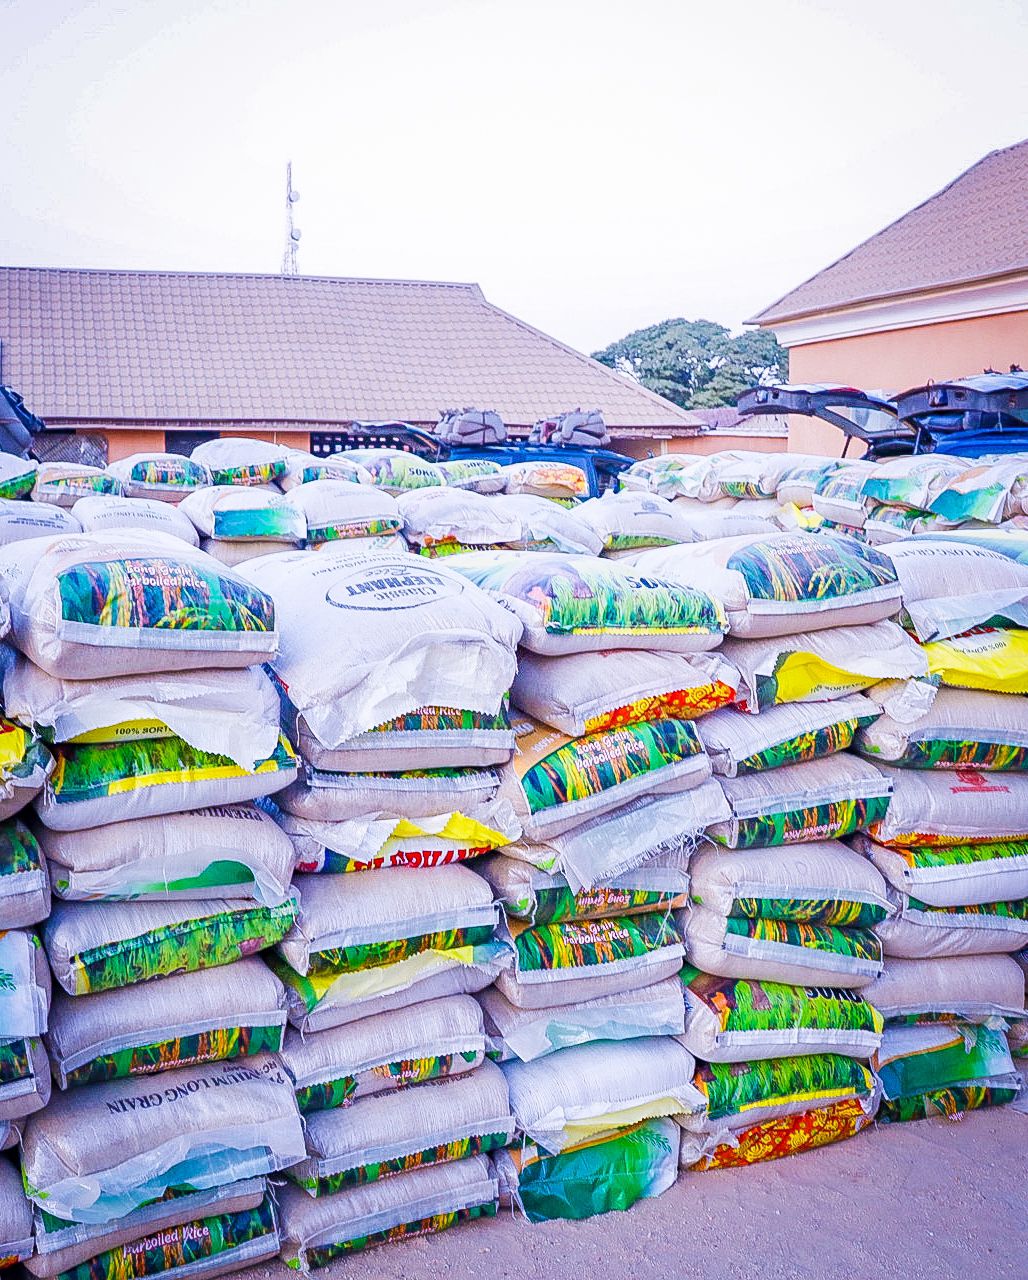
pixel 596 165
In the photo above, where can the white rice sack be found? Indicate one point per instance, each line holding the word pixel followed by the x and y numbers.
pixel 440 520
pixel 97 946
pixel 235 1011
pixel 571 960
pixel 231 712
pixel 320 796
pixel 24 883
pixel 98 783
pixel 545 525
pixel 839 495
pixel 628 521
pixel 948 875
pixel 422 1199
pixel 364 640
pixel 963 729
pixel 817 666
pixel 20 521
pixel 25 1079
pixel 306 468
pixel 15 1216
pixel 511 1032
pixel 25 991
pixel 397 471
pixel 91 605
pixel 205 853
pixel 919 931
pixel 98 1153
pixel 63 483
pixel 744 1019
pixel 913 481
pixel 992 491
pixel 570 604
pixel 141 515
pixel 788 734
pixel 230 513
pixel 428 738
pixel 242 460
pixel 384 1053
pixel 529 893
pixel 336 509
pixel 783 582
pixel 480 475
pixel 817 800
pixel 368 844
pixel 647 474
pixel 24 766
pixel 584 693
pixel 628 836
pixel 387 1134
pixel 167 477
pixel 17 476
pixel 348 923
pixel 555 782
pixel 950 586
pixel 61 1245
pixel 546 479
pixel 592 1090
pixel 973 987
pixel 953 807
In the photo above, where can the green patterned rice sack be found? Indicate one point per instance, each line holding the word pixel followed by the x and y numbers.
pixel 24 985
pixel 24 1077
pixel 16 1242
pixel 241 460
pixel 24 766
pixel 964 729
pixel 788 734
pixel 591 1091
pixel 421 1201
pixel 339 509
pixel 234 1011
pixel 230 513
pixel 304 468
pixel 923 1059
pixel 797 803
pixel 953 875
pixel 97 605
pixel 555 782
pixel 480 475
pixel 386 1134
pixel 744 1019
pixel 17 476
pixel 96 946
pixel 63 483
pixel 382 1053
pixel 950 1103
pixel 920 931
pixel 98 1153
pixel 596 1177
pixel 574 604
pixel 24 883
pixel 168 477
pixel 572 960
pixel 397 471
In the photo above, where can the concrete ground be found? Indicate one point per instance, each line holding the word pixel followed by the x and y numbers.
pixel 929 1200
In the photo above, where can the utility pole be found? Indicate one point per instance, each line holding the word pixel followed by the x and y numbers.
pixel 289 267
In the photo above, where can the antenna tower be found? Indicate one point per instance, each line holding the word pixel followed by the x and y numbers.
pixel 289 267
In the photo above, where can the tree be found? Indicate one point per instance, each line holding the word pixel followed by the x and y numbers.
pixel 697 363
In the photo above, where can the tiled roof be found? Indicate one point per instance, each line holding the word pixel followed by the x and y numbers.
pixel 125 346
pixel 974 229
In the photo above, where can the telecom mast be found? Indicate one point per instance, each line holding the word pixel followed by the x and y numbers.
pixel 289 267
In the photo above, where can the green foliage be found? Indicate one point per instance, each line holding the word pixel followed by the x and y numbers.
pixel 697 363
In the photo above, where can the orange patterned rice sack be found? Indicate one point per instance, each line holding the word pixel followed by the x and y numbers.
pixel 786 1136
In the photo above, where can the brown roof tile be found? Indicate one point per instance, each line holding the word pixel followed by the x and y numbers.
pixel 974 229
pixel 125 346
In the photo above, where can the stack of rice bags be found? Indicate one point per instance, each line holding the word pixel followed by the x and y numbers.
pixel 394 674
pixel 954 843
pixel 780 930
pixel 138 663
pixel 611 786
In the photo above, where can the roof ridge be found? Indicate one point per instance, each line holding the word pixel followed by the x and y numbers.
pixel 244 275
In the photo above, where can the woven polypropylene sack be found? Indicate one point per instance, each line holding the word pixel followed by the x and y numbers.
pixel 233 513
pixel 511 1032
pixel 205 853
pixel 17 476
pixel 546 479
pixel 24 767
pixel 434 519
pixel 25 991
pixel 15 1216
pixel 235 1011
pixel 92 605
pixel 787 734
pixel 24 882
pixel 418 1202
pixel 383 1053
pixel 839 494
pixel 99 1152
pixel 587 692
pixel 323 796
pixel 398 471
pixel 339 509
pixel 913 481
pixel 304 468
pixel 629 521
pixel 166 477
pixel 590 1091
pixel 96 946
pixel 63 483
pixel 954 875
pixel 743 1019
pixel 785 582
pixel 241 460
pixel 990 491
pixel 546 526
pixel 21 521
pixel 141 515
pixel 25 1078
pixel 386 1134
pixel 774 1139
pixel 818 800
pixel 480 475
pixel 973 987
pixel 953 807
pixel 963 729
pixel 403 634
pixel 918 931
pixel 571 604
